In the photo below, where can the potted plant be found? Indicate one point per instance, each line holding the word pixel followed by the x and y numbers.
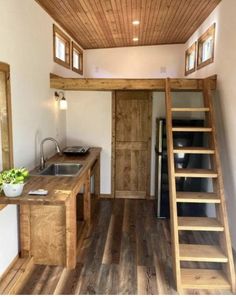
pixel 12 181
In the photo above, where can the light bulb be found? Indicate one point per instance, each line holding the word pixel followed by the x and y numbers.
pixel 136 22
pixel 63 104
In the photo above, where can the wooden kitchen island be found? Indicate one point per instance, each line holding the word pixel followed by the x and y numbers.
pixel 48 224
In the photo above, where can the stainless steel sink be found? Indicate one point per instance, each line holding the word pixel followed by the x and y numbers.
pixel 62 169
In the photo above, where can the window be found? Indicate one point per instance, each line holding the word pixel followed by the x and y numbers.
pixel 6 146
pixel 190 59
pixel 61 47
pixel 77 59
pixel 206 47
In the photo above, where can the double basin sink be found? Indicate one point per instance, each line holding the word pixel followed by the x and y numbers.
pixel 61 169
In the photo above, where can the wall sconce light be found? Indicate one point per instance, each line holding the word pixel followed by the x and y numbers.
pixel 59 96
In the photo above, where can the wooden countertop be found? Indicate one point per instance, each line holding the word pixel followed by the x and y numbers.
pixel 59 188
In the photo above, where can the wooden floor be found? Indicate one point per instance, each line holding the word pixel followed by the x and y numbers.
pixel 126 251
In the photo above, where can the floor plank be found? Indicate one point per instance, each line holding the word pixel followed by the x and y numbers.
pixel 128 255
pixel 113 242
pixel 146 279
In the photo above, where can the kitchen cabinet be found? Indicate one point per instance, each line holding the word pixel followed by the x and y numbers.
pixel 48 224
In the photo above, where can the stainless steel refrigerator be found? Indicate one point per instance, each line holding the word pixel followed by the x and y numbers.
pixel 180 139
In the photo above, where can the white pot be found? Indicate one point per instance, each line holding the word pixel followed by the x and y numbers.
pixel 13 190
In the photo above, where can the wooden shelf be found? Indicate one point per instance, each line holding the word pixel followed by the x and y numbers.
pixel 191 129
pixel 199 224
pixel 204 279
pixel 193 150
pixel 197 197
pixel 201 253
pixel 193 172
pixel 190 109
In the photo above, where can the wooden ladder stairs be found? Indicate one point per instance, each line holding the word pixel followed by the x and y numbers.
pixel 221 253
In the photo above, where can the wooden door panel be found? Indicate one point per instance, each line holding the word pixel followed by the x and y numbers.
pixel 132 123
pixel 131 169
pixel 132 144
pixel 122 170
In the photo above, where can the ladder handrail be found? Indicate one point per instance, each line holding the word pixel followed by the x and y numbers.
pixel 172 188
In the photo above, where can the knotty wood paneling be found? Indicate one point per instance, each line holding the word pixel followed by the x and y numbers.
pixel 108 23
pixel 44 248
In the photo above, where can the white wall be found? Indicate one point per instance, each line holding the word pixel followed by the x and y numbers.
pixel 225 103
pixel 89 123
pixel 89 114
pixel 26 44
pixel 135 62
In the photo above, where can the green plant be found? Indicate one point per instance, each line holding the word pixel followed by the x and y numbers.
pixel 14 176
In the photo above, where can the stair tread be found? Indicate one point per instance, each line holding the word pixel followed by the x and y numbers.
pixel 195 172
pixel 191 129
pixel 199 224
pixel 197 197
pixel 203 279
pixel 201 253
pixel 191 109
pixel 194 150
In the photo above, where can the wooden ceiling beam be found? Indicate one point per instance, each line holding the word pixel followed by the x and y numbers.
pixel 106 84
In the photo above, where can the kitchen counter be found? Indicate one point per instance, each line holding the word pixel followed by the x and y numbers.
pixel 48 224
pixel 59 188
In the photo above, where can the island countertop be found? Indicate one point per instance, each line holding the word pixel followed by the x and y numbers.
pixel 59 187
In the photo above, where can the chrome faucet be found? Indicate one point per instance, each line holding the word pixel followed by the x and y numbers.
pixel 42 159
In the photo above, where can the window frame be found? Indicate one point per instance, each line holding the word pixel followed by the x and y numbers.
pixel 209 33
pixel 6 123
pixel 80 52
pixel 188 52
pixel 63 36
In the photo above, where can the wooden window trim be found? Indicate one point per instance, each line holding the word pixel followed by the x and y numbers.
pixel 192 48
pixel 7 139
pixel 207 34
pixel 76 47
pixel 57 31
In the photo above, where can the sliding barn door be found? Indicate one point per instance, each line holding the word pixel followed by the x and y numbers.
pixel 133 111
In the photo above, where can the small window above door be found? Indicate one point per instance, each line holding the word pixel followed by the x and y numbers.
pixel 206 44
pixel 61 47
pixel 77 59
pixel 190 59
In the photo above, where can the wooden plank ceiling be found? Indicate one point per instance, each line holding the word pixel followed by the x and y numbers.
pixel 108 23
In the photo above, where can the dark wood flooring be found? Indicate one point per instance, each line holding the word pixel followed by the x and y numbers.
pixel 125 251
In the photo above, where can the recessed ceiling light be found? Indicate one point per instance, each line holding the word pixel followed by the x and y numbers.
pixel 135 39
pixel 136 23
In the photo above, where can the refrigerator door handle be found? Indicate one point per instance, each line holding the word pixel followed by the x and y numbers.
pixel 159 186
pixel 160 155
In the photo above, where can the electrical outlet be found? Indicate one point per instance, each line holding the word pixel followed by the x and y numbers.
pixel 163 69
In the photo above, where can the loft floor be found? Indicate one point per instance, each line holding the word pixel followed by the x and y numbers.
pixel 126 251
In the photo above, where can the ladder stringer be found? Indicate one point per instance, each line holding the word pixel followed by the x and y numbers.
pixel 172 189
pixel 218 185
